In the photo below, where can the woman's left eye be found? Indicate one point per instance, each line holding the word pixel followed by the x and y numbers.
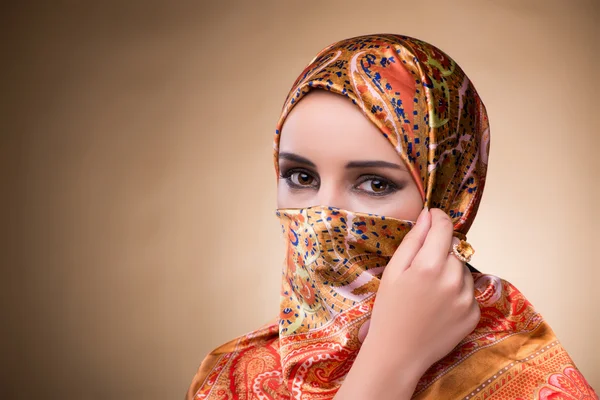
pixel 377 186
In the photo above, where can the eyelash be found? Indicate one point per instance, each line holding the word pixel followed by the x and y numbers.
pixel 287 175
pixel 391 186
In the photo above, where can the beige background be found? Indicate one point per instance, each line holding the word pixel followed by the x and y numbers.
pixel 138 190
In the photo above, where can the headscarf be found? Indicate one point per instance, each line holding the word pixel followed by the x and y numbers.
pixel 424 104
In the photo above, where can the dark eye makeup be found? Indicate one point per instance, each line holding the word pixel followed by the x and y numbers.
pixel 300 178
pixel 367 184
pixel 375 185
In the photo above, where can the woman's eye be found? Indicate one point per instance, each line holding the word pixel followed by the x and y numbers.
pixel 377 186
pixel 303 179
pixel 300 179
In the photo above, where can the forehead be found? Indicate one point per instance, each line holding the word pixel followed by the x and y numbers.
pixel 324 124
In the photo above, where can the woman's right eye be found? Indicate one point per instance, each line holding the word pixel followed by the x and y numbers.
pixel 300 179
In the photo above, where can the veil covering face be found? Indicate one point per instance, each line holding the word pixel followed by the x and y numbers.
pixel 428 109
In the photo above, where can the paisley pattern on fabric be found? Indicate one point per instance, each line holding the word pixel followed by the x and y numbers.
pixel 427 108
pixel 338 258
pixel 568 384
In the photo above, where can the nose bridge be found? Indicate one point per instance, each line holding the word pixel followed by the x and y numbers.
pixel 332 194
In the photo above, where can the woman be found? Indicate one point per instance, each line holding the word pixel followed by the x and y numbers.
pixel 349 190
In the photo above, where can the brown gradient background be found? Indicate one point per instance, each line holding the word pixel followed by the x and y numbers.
pixel 138 190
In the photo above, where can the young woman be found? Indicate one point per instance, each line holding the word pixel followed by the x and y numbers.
pixel 379 131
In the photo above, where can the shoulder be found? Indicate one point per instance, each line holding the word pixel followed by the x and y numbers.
pixel 504 309
pixel 213 371
pixel 512 353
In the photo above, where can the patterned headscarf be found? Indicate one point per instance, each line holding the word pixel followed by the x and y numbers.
pixel 422 102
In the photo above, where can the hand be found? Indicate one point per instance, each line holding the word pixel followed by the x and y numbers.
pixel 425 306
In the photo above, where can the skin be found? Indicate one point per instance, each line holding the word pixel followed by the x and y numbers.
pixel 331 154
pixel 337 143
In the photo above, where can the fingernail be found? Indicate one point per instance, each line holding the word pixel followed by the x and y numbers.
pixel 424 212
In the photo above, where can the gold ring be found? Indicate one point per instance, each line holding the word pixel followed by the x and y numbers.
pixel 463 251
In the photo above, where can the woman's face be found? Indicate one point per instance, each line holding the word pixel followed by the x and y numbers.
pixel 330 154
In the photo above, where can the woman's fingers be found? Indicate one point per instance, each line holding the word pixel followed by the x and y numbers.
pixel 455 268
pixel 411 244
pixel 469 285
pixel 434 251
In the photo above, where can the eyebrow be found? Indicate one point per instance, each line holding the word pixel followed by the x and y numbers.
pixel 351 164
pixel 296 158
pixel 372 164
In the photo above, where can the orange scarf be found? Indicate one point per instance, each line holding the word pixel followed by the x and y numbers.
pixel 429 111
